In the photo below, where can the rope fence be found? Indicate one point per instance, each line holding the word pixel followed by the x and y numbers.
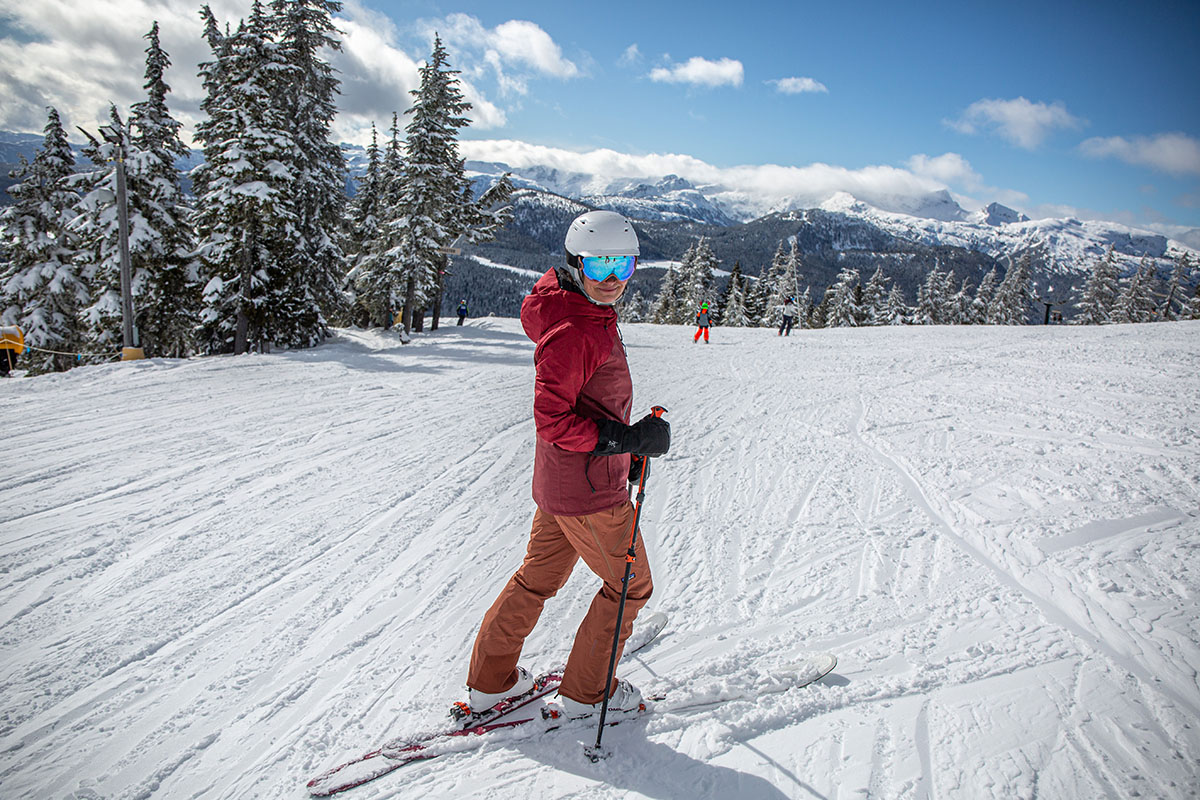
pixel 78 356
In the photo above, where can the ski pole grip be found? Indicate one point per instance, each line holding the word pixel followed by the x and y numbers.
pixel 657 411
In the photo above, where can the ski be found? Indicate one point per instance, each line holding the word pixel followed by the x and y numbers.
pixel 549 717
pixel 382 760
pixel 396 753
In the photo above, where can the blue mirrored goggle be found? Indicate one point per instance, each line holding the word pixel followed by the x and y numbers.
pixel 600 267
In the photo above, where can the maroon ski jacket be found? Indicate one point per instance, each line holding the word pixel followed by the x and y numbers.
pixel 582 376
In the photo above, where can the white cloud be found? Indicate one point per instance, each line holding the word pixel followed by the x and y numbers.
pixel 760 188
pixel 631 56
pixel 1175 153
pixel 950 169
pixel 780 186
pixel 79 57
pixel 515 50
pixel 525 43
pixel 798 85
pixel 376 74
pixel 701 72
pixel 1024 123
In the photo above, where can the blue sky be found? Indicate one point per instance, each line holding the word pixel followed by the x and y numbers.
pixel 1079 109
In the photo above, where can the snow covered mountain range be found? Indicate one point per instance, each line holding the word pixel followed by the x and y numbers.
pixel 935 220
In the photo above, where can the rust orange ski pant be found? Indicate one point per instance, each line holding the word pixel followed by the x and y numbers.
pixel 555 544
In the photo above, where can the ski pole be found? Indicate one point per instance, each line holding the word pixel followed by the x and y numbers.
pixel 595 752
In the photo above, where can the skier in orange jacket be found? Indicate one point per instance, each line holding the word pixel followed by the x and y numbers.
pixel 702 323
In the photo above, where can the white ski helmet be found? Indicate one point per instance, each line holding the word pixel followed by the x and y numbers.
pixel 601 233
pixel 598 233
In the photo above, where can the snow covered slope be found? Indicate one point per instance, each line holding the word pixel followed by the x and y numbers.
pixel 222 576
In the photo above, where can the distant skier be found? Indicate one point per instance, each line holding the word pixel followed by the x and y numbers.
pixel 582 396
pixel 702 323
pixel 462 311
pixel 789 316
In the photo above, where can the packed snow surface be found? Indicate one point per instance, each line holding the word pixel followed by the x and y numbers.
pixel 223 576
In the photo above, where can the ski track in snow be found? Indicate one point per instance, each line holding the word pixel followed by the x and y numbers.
pixel 219 577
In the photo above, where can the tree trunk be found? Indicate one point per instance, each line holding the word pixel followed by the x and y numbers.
pixel 241 334
pixel 437 293
pixel 409 293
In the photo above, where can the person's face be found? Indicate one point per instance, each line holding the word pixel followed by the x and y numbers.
pixel 607 291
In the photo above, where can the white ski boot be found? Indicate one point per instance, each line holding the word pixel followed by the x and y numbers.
pixel 481 705
pixel 625 700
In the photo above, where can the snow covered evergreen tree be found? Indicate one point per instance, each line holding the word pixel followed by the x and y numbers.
pixel 785 270
pixel 734 314
pixel 1191 309
pixel 696 276
pixel 432 182
pixel 363 216
pixel 983 298
pixel 164 291
pixel 376 292
pixel 169 309
pixel 393 166
pixel 804 309
pixel 668 309
pixel 723 300
pixel 931 301
pixel 41 289
pixel 842 310
pixel 97 234
pixel 960 303
pixel 431 203
pixel 1099 292
pixel 875 298
pixel 362 225
pixel 633 308
pixel 1137 301
pixel 1010 304
pixel 1152 286
pixel 820 312
pixel 754 299
pixel 896 309
pixel 1177 289
pixel 246 217
pixel 759 301
pixel 302 30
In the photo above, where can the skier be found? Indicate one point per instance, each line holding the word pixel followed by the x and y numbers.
pixel 462 311
pixel 702 322
pixel 789 315
pixel 582 397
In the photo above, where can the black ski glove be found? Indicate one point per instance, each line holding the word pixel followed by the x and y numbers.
pixel 649 436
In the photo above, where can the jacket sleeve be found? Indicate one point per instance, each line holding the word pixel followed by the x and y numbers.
pixel 565 360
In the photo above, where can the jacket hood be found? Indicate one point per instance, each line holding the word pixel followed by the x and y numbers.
pixel 550 303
